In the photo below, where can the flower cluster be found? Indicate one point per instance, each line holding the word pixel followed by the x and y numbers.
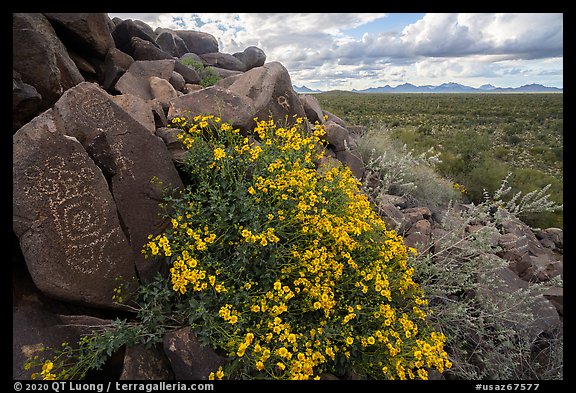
pixel 297 274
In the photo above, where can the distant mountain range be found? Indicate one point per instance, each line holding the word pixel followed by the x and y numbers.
pixel 450 87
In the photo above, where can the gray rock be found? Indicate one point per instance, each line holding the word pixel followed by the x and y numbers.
pixel 251 57
pixel 146 364
pixel 137 108
pixel 198 42
pixel 86 33
pixel 177 81
pixel 145 27
pixel 66 218
pixel 503 285
pixel 230 107
pixel 35 328
pixel 336 136
pixel 270 89
pixel 40 58
pixel 223 60
pixel 130 155
pixel 222 72
pixel 419 236
pixel 25 101
pixel 556 296
pixel 189 359
pixel 189 74
pixel 169 136
pixel 115 65
pixel 552 238
pixel 125 30
pixel 146 50
pixel 312 108
pixel 172 44
pixel 334 118
pixel 191 57
pixel 327 163
pixel 136 81
pixel 352 159
pixel 162 91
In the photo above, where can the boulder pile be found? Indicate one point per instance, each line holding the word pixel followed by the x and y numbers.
pixel 92 97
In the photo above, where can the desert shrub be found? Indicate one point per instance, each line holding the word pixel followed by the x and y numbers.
pixel 208 77
pixel 393 169
pixel 486 322
pixel 286 271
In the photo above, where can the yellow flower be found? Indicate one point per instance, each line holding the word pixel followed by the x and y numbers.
pixel 219 153
pixel 47 367
pixel 349 341
pixel 220 373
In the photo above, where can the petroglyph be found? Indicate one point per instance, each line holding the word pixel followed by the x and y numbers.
pixel 283 102
pixel 75 210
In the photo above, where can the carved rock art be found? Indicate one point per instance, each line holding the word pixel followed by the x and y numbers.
pixel 128 154
pixel 65 217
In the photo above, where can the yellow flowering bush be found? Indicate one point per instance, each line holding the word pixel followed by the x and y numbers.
pixel 288 271
pixel 285 270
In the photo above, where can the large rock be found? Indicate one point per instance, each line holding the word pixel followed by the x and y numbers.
pixel 336 136
pixel 197 42
pixel 223 60
pixel 270 89
pixel 352 160
pixel 86 33
pixel 139 109
pixel 115 65
pixel 222 72
pixel 146 364
pixel 552 238
pixel 35 328
pixel 172 44
pixel 65 217
pixel 189 359
pixel 230 107
pixel 251 57
pixel 124 32
pixel 170 138
pixel 40 57
pixel 25 101
pixel 136 162
pixel 419 236
pixel 312 108
pixel 136 80
pixel 146 50
pixel 529 258
pixel 162 91
pixel 504 285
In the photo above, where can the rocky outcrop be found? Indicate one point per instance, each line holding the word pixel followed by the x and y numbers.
pixel 92 157
pixel 41 59
pixel 65 217
pixel 189 359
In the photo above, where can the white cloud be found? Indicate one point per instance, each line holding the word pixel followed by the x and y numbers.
pixel 316 48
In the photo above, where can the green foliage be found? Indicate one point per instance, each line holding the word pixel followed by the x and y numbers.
pixel 393 169
pixel 486 322
pixel 208 76
pixel 481 137
pixel 286 271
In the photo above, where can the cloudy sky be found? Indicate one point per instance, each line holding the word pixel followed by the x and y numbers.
pixel 356 51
